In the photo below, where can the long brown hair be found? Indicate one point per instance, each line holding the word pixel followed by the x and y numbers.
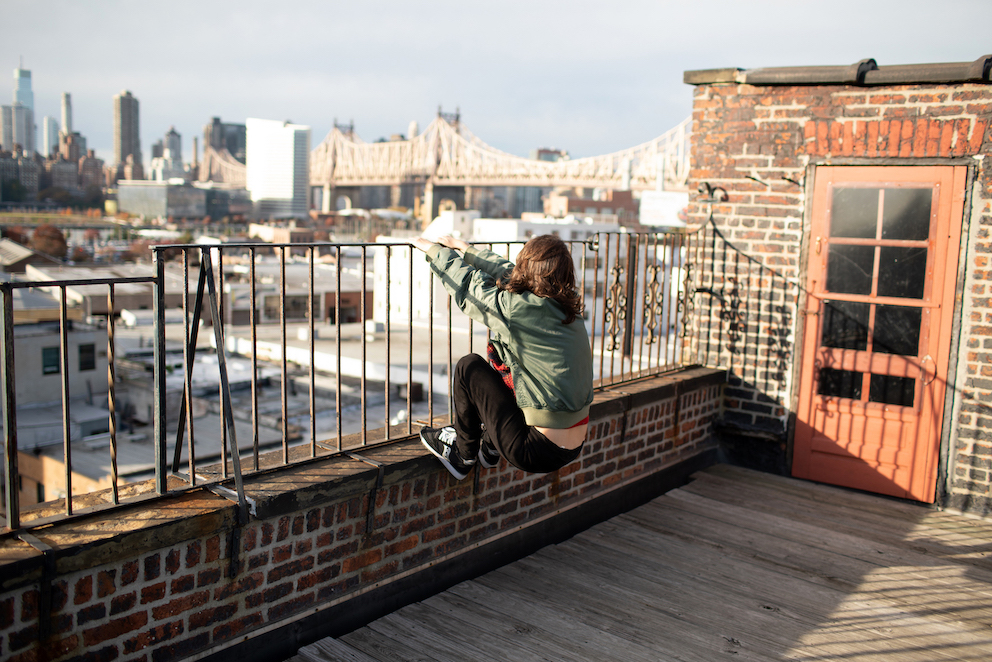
pixel 545 268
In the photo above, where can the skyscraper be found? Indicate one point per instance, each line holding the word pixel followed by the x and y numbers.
pixel 278 162
pixel 49 136
pixel 173 145
pixel 17 127
pixel 22 88
pixel 66 112
pixel 127 141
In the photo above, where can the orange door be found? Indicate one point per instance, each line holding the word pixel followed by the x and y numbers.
pixel 880 283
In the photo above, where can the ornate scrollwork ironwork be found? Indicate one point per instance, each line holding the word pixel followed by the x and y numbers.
pixel 616 307
pixel 653 306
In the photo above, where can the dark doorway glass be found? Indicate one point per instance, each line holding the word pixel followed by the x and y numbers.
pixel 840 383
pixel 849 269
pixel 902 271
pixel 854 213
pixel 845 325
pixel 906 213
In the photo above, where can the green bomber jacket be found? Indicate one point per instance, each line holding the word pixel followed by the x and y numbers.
pixel 551 362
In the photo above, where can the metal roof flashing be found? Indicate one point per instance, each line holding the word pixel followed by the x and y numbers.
pixel 864 72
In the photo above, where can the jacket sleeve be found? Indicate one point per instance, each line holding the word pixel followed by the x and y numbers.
pixel 488 261
pixel 473 290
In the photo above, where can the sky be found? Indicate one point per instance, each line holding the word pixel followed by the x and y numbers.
pixel 588 77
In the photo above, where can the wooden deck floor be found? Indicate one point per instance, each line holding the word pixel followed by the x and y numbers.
pixel 737 565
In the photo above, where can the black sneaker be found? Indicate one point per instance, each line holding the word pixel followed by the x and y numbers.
pixel 441 442
pixel 488 455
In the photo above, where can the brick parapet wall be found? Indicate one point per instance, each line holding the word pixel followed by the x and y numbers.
pixel 759 144
pixel 196 583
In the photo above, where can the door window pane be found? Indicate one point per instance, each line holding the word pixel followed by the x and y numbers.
pixel 897 330
pixel 902 272
pixel 906 213
pixel 849 269
pixel 854 213
pixel 840 383
pixel 891 390
pixel 845 325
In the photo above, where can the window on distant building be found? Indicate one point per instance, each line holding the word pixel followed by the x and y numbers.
pixel 50 360
pixel 87 357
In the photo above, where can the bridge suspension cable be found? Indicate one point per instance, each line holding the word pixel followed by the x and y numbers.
pixel 449 155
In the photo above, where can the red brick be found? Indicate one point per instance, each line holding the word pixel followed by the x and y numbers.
pixel 115 628
pixel 129 573
pixel 246 583
pixel 401 546
pixel 364 559
pixel 213 549
pixel 183 584
pixel 906 138
pixel 192 553
pixel 920 133
pixel 179 605
pixel 51 650
pixel 318 577
pixel 933 138
pixel 281 553
pixel 283 528
pixel 153 593
pixel 208 577
pixel 152 636
pixel 234 628
pixel 210 616
pixel 123 603
pixel 977 137
pixel 83 590
pixel 6 613
pixel 172 561
pixel 292 568
pixel 961 144
pixel 946 137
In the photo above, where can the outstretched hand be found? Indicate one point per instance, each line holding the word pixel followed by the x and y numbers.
pixel 422 244
pixel 452 242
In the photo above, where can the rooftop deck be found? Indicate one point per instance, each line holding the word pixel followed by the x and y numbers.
pixel 736 565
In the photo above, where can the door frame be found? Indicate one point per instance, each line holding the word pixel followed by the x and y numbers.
pixel 963 179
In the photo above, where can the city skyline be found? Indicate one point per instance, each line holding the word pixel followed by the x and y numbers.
pixel 584 77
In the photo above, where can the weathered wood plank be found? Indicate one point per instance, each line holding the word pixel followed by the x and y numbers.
pixel 384 648
pixel 332 650
pixel 737 564
pixel 935 532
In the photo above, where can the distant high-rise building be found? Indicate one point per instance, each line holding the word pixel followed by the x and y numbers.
pixel 17 127
pixel 22 88
pixel 278 161
pixel 90 171
pixel 66 112
pixel 219 135
pixel 49 136
pixel 173 145
pixel 127 141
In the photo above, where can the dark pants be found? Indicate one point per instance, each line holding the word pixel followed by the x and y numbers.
pixel 481 398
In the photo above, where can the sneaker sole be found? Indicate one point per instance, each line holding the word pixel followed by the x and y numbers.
pixel 447 465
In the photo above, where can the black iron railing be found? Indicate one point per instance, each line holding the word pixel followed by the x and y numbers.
pixel 361 299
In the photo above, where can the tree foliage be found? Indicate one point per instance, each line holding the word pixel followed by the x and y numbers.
pixel 50 240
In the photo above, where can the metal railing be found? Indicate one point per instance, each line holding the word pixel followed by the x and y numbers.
pixel 637 292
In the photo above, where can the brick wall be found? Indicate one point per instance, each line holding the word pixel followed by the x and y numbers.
pixel 758 144
pixel 170 595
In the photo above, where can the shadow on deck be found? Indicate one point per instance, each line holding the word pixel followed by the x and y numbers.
pixel 735 565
